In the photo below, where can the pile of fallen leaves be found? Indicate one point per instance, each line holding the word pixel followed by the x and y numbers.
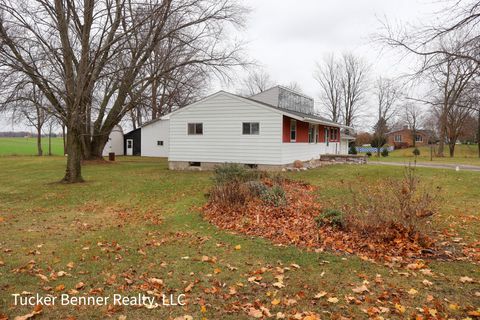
pixel 294 224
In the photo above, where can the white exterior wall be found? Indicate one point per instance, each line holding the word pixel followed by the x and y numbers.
pixel 151 134
pixel 114 143
pixel 307 151
pixel 344 146
pixel 222 141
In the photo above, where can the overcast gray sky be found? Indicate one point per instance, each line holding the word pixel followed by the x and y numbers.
pixel 289 37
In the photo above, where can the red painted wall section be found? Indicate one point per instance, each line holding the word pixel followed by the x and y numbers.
pixel 321 133
pixel 286 129
pixel 302 132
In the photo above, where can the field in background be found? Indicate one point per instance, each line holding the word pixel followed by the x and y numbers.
pixel 28 146
pixel 464 154
pixel 134 220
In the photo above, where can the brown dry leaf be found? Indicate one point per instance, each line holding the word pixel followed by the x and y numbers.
pixel 238 247
pixel 70 265
pixel 412 292
pixel 475 313
pixel 217 270
pixel 280 315
pixel 60 287
pixel 321 294
pixel 415 266
pixel 266 312
pixel 205 259
pixel 360 289
pixel 296 266
pixel 401 309
pixel 43 277
pixel 252 312
pixel 275 302
pixel 427 283
pixel 122 317
pixel 79 285
pixel 278 284
pixel 189 287
pixel 332 300
pixel 36 310
pixel 185 317
pixel 466 279
pixel 61 273
pixel 156 281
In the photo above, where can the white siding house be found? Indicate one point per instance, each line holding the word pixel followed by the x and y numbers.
pixel 228 128
pixel 155 138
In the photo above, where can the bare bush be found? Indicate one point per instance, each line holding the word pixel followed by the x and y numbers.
pixel 392 208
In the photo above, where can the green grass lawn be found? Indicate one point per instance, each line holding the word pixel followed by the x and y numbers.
pixel 464 154
pixel 135 220
pixel 28 146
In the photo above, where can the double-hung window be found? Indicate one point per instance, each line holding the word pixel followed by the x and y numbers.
pixel 195 128
pixel 293 130
pixel 418 138
pixel 398 138
pixel 251 128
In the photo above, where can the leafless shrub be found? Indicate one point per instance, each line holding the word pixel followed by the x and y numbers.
pixel 393 208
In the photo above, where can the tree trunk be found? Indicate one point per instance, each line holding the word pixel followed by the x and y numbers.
pixel 73 173
pixel 478 133
pixel 50 140
pixel 96 146
pixel 39 142
pixel 451 147
pixel 443 134
pixel 64 140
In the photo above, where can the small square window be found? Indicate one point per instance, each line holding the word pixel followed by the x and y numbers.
pixel 251 128
pixel 195 128
pixel 159 143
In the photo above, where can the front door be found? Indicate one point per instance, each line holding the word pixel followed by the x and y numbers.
pixel 129 147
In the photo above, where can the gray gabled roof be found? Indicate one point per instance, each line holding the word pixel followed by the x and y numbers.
pixel 305 116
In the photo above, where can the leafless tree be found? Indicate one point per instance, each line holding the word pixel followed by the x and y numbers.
pixel 387 93
pixel 354 84
pixel 328 75
pixel 88 57
pixel 461 16
pixel 27 104
pixel 344 83
pixel 452 80
pixel 294 86
pixel 257 81
pixel 413 116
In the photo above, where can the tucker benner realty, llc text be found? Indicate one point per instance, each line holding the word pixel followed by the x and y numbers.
pixel 115 299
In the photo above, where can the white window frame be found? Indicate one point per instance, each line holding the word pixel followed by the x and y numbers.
pixel 418 136
pixel 293 129
pixel 250 126
pixel 397 138
pixel 195 128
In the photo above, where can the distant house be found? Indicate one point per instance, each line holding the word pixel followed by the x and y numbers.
pixel 268 130
pixel 404 138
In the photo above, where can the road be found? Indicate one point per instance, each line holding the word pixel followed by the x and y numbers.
pixel 451 166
